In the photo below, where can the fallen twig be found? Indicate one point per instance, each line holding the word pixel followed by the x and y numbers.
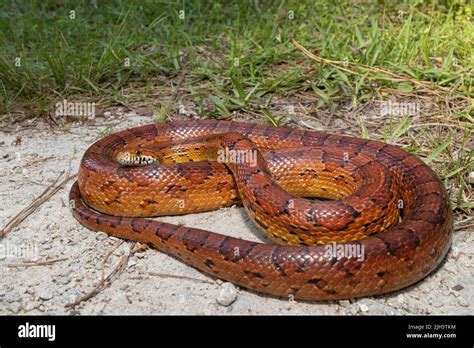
pixel 104 282
pixel 37 263
pixel 36 161
pixel 345 66
pixel 165 275
pixel 107 256
pixel 463 227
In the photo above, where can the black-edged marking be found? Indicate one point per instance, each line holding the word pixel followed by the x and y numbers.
pixel 165 233
pixel 306 261
pixel 414 239
pixel 434 217
pixel 209 264
pixel 231 145
pixel 253 275
pixel 294 290
pixel 389 245
pixel 234 250
pixel 302 241
pixel 355 213
pixel 194 239
pixel 139 225
pixel 277 260
pixel 319 282
pixel 116 221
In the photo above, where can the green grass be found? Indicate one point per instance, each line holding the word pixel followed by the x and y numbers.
pixel 238 57
pixel 242 40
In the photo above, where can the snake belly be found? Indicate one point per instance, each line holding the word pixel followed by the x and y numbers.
pixel 116 199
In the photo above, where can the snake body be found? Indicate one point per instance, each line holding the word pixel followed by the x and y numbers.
pixel 383 201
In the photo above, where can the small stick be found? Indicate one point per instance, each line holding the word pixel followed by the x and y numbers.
pixel 394 76
pixel 165 275
pixel 39 160
pixel 107 256
pixel 462 227
pixel 104 282
pixel 37 263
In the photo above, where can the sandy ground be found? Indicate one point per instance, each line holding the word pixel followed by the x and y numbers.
pixel 51 232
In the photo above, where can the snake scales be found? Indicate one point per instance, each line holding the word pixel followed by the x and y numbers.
pixel 379 200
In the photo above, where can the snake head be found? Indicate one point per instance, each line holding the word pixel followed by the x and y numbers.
pixel 135 158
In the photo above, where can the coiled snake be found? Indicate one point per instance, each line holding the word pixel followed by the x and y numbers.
pixel 379 200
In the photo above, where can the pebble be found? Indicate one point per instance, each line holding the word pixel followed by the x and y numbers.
pixel 63 280
pixel 64 272
pixel 445 292
pixel 30 306
pixel 26 297
pixel 141 255
pixel 344 303
pixel 24 172
pixel 227 294
pixel 101 236
pixel 14 307
pixel 364 308
pixel 456 252
pixel 46 294
pixel 463 302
